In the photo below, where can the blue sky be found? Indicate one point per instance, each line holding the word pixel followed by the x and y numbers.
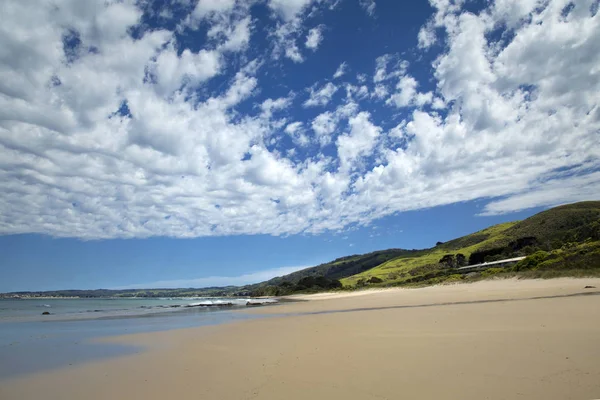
pixel 194 143
pixel 170 262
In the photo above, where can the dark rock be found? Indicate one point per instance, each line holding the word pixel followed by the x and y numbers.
pixel 590 287
pixel 209 305
pixel 45 313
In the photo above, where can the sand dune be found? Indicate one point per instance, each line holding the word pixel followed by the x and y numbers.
pixel 491 340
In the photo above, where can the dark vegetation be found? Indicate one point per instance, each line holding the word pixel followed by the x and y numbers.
pixel 343 267
pixel 307 284
pixel 453 260
pixel 502 252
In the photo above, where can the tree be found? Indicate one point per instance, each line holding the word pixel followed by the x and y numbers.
pixel 461 260
pixel 448 261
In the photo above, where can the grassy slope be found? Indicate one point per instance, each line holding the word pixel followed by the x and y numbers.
pixel 341 267
pixel 395 269
pixel 555 224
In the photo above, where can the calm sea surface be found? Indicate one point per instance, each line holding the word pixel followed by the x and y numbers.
pixel 32 342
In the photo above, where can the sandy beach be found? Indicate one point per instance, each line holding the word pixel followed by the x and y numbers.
pixel 490 340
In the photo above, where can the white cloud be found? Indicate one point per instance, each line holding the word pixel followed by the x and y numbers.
pixel 293 127
pixel 172 71
pixel 368 6
pixel 407 91
pixel 501 136
pixel 218 281
pixel 170 141
pixel 427 36
pixel 285 36
pixel 271 105
pixel 205 8
pixel 438 104
pixel 323 126
pixel 408 95
pixel 359 141
pixel 321 96
pixel 382 64
pixel 229 23
pixel 549 193
pixel 293 15
pixel 237 34
pixel 340 71
pixel 380 92
pixel 289 9
pixel 296 132
pixel 314 38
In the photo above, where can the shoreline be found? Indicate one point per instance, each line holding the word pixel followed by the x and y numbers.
pixel 489 339
pixel 367 291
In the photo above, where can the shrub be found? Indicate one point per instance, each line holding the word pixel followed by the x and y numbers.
pixel 492 271
pixel 532 261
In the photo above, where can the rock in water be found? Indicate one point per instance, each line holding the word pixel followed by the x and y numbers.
pixel 590 287
pixel 45 313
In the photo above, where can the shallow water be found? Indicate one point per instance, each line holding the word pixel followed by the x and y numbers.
pixel 30 342
pixel 32 309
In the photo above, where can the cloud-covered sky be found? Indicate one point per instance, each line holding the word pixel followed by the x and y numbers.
pixel 183 118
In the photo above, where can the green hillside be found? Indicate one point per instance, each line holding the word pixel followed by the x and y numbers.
pixel 547 231
pixel 563 239
pixel 400 267
pixel 342 267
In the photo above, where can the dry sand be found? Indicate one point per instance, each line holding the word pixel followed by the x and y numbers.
pixel 491 340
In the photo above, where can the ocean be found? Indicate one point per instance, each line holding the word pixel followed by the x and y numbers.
pixel 32 342
pixel 18 310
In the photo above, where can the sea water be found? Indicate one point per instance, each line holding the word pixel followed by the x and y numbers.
pixel 32 342
pixel 13 310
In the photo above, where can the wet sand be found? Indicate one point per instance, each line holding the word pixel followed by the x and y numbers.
pixel 490 340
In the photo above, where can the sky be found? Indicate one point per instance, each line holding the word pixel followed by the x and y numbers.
pixel 186 143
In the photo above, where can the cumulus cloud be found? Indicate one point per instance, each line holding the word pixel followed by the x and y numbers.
pixel 296 131
pixel 230 26
pixel 323 126
pixel 359 141
pixel 321 96
pixel 341 70
pixel 285 37
pixel 289 9
pixel 427 36
pixel 314 38
pixel 368 6
pixel 407 94
pixel 389 66
pixel 293 15
pixel 380 91
pixel 205 8
pixel 184 142
pixel 270 106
